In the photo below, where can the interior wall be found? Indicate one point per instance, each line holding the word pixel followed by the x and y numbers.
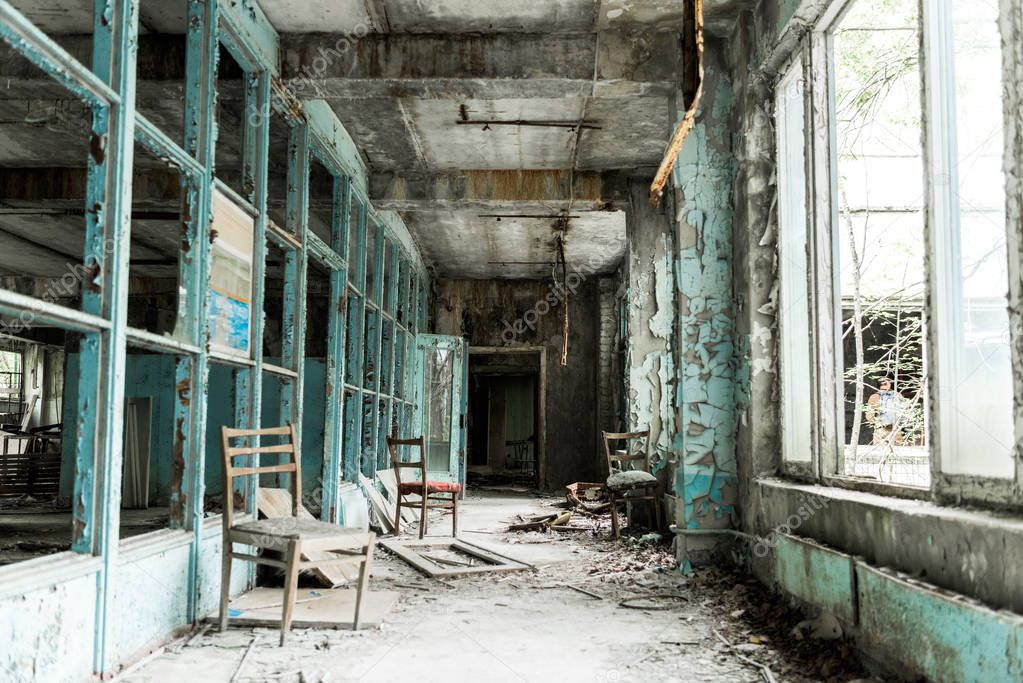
pixel 512 313
pixel 610 364
pixel 879 540
pixel 686 380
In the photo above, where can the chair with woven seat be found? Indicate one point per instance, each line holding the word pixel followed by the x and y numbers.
pixel 626 483
pixel 432 494
pixel 293 537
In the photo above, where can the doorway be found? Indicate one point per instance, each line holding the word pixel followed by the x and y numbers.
pixel 506 416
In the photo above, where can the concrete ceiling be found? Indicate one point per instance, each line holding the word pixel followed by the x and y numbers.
pixel 485 107
pixel 464 109
pixel 465 244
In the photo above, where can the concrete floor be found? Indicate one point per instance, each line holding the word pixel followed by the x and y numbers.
pixel 525 626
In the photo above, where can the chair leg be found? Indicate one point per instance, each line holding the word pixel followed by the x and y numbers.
pixel 615 531
pixel 424 520
pixel 363 580
pixel 225 584
pixel 397 517
pixel 290 587
pixel 454 515
pixel 657 511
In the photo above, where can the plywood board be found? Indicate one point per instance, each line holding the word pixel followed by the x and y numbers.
pixel 384 512
pixel 313 608
pixel 414 552
pixel 273 503
pixel 390 484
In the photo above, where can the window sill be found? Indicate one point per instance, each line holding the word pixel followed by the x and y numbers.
pixel 950 546
pixel 877 487
pixel 39 572
pixel 144 545
pixel 964 489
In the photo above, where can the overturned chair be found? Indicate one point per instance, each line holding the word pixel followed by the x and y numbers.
pixel 432 494
pixel 291 536
pixel 625 482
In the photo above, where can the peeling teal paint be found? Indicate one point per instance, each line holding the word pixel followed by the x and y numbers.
pixel 952 640
pixel 103 371
pixel 706 395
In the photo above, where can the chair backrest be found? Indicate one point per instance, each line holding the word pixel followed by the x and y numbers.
pixel 622 461
pixel 290 448
pixel 393 443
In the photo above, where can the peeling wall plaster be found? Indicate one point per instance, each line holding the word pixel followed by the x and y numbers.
pixel 708 398
pixel 651 296
pixel 685 382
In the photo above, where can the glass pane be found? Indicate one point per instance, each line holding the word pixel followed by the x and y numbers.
pixel 440 377
pixel 880 236
pixel 983 432
pixel 793 268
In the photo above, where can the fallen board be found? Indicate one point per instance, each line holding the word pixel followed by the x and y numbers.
pixel 390 484
pixel 313 608
pixel 412 551
pixel 383 512
pixel 274 503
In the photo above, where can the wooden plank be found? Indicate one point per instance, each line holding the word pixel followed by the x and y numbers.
pixel 410 551
pixel 390 483
pixel 274 503
pixel 333 609
pixel 384 512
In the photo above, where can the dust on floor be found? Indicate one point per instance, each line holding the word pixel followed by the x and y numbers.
pixel 593 610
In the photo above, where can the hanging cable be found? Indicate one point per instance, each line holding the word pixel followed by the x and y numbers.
pixel 564 304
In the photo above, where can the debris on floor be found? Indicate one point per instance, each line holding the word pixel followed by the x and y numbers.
pixel 585 607
pixel 439 558
pixel 588 497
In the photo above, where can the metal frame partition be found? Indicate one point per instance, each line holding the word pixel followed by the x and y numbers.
pixel 369 328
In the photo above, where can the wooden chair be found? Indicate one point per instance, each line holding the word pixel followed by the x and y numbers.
pixel 623 479
pixel 291 536
pixel 432 494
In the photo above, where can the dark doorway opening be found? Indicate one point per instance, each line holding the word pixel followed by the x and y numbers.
pixel 505 439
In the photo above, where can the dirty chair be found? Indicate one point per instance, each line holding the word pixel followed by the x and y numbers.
pixel 623 479
pixel 432 494
pixel 291 536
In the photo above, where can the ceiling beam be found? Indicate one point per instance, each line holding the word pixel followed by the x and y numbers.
pixel 493 66
pixel 513 191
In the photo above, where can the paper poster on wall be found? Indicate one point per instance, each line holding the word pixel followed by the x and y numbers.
pixel 230 313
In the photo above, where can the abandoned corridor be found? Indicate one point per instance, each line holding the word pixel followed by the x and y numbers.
pixel 776 244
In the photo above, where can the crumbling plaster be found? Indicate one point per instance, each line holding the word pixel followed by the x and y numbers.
pixel 708 392
pixel 685 378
